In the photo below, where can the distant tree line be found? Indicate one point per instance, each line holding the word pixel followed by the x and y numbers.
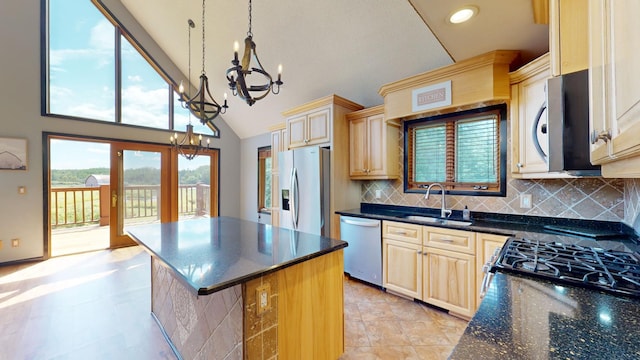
pixel 140 176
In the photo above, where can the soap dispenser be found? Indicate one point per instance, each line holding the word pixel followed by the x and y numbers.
pixel 466 214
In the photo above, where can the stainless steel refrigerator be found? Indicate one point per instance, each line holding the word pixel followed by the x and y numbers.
pixel 304 190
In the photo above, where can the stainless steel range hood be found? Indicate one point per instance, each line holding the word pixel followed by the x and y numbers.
pixel 568 124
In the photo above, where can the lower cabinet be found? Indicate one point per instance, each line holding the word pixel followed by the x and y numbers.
pixel 449 280
pixel 486 247
pixel 402 268
pixel 435 265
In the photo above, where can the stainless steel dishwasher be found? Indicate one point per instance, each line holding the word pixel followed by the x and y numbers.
pixel 363 256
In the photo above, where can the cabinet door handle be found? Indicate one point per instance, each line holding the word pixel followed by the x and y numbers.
pixel 604 135
pixel 447 240
pixel 397 232
pixel 419 252
pixel 519 165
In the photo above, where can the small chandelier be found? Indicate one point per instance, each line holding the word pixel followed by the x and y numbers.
pixel 238 74
pixel 202 105
pixel 190 145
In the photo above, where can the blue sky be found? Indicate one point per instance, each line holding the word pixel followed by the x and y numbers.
pixel 82 72
pixel 67 154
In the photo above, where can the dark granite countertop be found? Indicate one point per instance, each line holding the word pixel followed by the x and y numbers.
pixel 215 253
pixel 525 318
pixel 604 234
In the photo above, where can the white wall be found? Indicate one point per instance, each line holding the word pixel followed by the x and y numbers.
pixel 21 216
pixel 249 178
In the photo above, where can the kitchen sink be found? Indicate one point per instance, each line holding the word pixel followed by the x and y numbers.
pixel 434 220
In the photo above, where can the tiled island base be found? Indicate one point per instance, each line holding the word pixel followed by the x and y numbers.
pixel 197 326
pixel 304 318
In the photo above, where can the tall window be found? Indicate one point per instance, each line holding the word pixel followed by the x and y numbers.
pixel 264 179
pixel 94 72
pixel 465 152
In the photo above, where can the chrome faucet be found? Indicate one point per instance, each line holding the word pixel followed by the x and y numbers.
pixel 444 212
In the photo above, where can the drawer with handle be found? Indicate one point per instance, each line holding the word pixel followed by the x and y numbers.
pixel 449 239
pixel 402 231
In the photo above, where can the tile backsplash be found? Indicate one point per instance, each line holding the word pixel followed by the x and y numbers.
pixel 593 198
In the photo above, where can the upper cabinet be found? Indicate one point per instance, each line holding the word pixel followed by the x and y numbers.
pixel 310 128
pixel 568 36
pixel 373 145
pixel 613 85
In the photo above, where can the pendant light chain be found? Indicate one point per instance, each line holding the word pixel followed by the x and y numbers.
pixel 249 33
pixel 203 1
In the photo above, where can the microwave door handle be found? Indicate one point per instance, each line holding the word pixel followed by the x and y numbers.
pixel 534 131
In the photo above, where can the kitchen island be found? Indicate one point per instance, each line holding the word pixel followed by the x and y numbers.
pixel 526 318
pixel 240 289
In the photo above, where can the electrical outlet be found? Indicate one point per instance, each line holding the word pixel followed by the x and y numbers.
pixel 263 298
pixel 525 201
pixel 378 194
pixel 15 242
pixel 22 190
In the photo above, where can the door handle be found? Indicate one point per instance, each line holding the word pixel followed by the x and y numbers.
pixel 114 199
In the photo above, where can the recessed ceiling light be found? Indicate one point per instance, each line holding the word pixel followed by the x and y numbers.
pixel 463 14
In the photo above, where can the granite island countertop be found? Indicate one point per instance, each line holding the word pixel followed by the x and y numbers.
pixel 525 318
pixel 212 254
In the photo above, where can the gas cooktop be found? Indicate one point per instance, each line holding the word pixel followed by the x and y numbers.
pixel 609 270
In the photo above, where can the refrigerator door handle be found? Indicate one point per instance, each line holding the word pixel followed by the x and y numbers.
pixel 295 209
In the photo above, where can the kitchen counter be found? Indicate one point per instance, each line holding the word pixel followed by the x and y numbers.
pixel 212 254
pixel 229 288
pixel 604 234
pixel 525 318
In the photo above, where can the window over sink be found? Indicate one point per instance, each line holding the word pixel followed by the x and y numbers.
pixel 464 151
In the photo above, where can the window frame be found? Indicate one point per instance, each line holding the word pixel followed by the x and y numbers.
pixel 453 188
pixel 264 153
pixel 120 31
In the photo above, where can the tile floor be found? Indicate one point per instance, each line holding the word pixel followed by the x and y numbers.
pixel 96 305
pixel 379 325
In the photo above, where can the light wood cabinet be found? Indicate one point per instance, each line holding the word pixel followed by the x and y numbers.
pixel 322 122
pixel 568 36
pixel 373 145
pixel 614 94
pixel 486 245
pixel 432 264
pixel 402 267
pixel 529 139
pixel 402 258
pixel 449 280
pixel 312 128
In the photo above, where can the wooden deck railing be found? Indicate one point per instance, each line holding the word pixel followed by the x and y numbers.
pixel 75 206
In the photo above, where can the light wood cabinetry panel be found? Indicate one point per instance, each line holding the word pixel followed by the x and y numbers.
pixel 402 231
pixel 568 36
pixel 449 280
pixel 486 247
pixel 402 267
pixel 449 239
pixel 312 128
pixel 322 123
pixel 373 145
pixel 615 96
pixel 311 309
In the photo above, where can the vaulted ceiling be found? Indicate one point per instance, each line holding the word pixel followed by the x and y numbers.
pixel 345 47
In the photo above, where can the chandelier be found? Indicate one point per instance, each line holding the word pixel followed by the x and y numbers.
pixel 190 145
pixel 202 105
pixel 238 74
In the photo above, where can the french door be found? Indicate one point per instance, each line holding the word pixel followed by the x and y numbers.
pixel 140 189
pixel 146 187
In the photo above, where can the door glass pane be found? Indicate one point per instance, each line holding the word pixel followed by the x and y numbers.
pixel 145 94
pixel 140 192
pixel 81 61
pixel 194 184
